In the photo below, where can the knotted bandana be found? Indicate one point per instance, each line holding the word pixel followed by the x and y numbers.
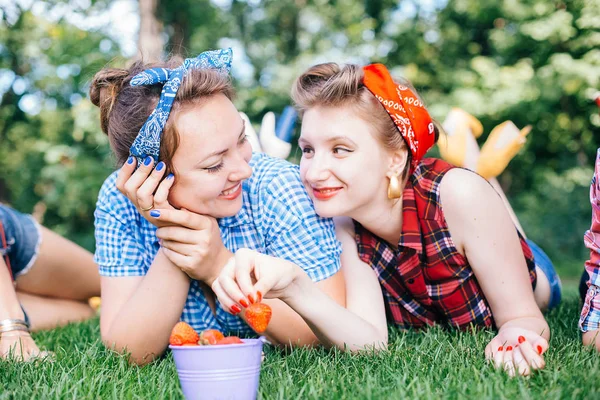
pixel 147 142
pixel 405 109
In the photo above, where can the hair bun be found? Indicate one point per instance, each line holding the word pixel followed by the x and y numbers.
pixel 104 89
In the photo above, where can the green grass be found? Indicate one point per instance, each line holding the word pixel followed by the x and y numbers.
pixel 435 364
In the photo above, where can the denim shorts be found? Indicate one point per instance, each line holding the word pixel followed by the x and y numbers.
pixel 23 238
pixel 542 261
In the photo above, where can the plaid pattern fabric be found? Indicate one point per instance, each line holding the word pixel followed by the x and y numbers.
pixel 427 281
pixel 590 313
pixel 277 218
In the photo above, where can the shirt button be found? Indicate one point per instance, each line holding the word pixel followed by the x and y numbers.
pixel 411 281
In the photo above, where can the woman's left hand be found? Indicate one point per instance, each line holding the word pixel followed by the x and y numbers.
pixel 517 350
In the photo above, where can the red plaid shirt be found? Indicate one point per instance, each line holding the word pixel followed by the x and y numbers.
pixel 426 281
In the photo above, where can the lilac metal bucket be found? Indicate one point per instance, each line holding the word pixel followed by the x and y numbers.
pixel 220 371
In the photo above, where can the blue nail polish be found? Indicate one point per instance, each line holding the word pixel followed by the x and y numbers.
pixel 160 166
pixel 155 213
pixel 130 160
pixel 170 176
pixel 148 160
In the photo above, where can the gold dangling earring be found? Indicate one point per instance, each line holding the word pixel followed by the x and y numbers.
pixel 394 191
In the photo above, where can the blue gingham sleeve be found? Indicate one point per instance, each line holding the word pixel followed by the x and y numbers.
pixel 119 244
pixel 294 231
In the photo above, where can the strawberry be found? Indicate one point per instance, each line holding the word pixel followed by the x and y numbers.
pixel 182 334
pixel 258 316
pixel 230 340
pixel 210 336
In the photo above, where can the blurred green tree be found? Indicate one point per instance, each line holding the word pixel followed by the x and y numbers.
pixel 531 61
pixel 52 153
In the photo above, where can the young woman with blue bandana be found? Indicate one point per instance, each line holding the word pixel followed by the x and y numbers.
pixel 162 242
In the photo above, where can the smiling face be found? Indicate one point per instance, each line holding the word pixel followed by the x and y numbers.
pixel 343 166
pixel 212 158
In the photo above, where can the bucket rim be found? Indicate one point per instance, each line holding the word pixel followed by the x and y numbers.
pixel 247 343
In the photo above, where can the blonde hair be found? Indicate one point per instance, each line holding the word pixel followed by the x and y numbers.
pixel 332 85
pixel 125 108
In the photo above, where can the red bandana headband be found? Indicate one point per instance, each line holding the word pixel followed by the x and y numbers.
pixel 405 108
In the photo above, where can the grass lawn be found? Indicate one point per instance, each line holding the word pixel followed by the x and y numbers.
pixel 435 364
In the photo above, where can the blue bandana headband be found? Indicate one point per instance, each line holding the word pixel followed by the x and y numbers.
pixel 147 142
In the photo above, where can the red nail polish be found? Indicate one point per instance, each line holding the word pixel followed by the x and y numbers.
pixel 251 298
pixel 243 302
pixel 259 295
pixel 509 348
pixel 235 309
pixel 500 348
pixel 521 339
pixel 539 349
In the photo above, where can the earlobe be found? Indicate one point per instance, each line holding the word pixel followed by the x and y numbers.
pixel 397 164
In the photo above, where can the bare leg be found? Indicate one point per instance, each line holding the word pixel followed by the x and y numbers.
pixel 542 289
pixel 62 270
pixel 57 288
pixel 48 312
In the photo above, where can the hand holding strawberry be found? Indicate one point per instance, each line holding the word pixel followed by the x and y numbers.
pixel 249 275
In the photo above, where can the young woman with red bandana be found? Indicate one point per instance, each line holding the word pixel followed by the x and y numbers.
pixel 439 238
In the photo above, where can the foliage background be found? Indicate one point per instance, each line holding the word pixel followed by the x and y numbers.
pixel 533 62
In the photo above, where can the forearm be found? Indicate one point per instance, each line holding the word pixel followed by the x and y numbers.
pixel 333 324
pixel 9 304
pixel 143 324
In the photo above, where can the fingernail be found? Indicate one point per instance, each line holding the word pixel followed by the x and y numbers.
pixel 243 302
pixel 251 299
pixel 521 339
pixel 509 348
pixel 539 349
pixel 235 309
pixel 160 166
pixel 500 348
pixel 258 296
pixel 170 176
pixel 130 160
pixel 155 213
pixel 147 160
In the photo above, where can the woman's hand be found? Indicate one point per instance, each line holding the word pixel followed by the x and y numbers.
pixel 517 350
pixel 250 275
pixel 145 187
pixel 192 242
pixel 20 346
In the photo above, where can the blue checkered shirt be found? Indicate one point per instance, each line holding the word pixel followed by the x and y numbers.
pixel 277 218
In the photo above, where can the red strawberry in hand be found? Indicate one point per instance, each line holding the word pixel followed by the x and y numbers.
pixel 258 316
pixel 183 334
pixel 230 340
